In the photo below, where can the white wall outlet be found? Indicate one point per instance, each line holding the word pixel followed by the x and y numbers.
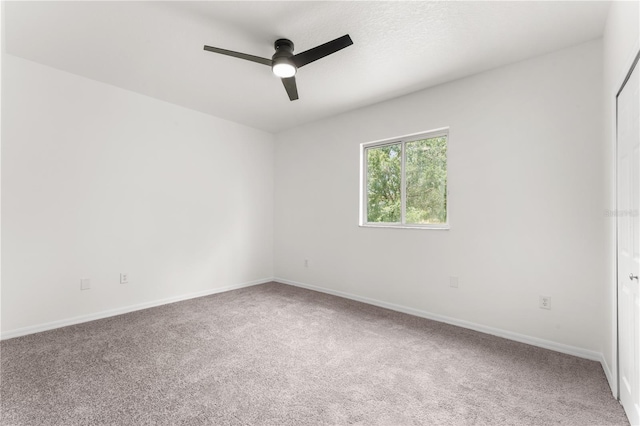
pixel 453 282
pixel 306 263
pixel 545 302
pixel 124 278
pixel 85 284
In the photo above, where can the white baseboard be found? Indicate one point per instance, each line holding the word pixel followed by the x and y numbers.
pixel 534 341
pixel 119 311
pixel 611 378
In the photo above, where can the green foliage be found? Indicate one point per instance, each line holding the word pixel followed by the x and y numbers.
pixel 383 183
pixel 426 182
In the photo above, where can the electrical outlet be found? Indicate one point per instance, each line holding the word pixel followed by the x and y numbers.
pixel 453 282
pixel 85 284
pixel 545 302
pixel 124 278
pixel 306 263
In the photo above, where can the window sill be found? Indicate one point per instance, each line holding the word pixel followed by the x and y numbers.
pixel 419 227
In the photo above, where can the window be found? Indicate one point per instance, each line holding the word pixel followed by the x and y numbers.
pixel 404 182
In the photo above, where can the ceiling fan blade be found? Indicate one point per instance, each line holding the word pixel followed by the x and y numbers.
pixel 251 58
pixel 290 86
pixel 308 56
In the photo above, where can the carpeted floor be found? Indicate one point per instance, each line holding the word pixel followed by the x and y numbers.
pixel 278 355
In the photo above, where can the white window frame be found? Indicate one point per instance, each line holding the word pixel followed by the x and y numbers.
pixel 402 140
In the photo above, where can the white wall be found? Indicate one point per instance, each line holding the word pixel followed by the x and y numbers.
pixel 97 180
pixel 526 202
pixel 621 44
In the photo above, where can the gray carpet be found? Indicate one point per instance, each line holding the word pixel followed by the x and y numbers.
pixel 278 355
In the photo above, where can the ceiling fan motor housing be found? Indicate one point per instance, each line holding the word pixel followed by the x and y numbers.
pixel 284 51
pixel 283 45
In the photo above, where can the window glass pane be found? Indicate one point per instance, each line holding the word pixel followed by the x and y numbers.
pixel 383 183
pixel 426 180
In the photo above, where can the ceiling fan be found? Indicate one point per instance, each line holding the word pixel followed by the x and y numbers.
pixel 284 63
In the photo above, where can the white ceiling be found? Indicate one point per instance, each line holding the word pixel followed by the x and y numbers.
pixel 156 48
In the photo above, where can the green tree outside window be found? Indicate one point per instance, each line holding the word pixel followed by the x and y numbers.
pixel 425 183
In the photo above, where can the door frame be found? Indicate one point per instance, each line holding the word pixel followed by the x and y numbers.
pixel 633 62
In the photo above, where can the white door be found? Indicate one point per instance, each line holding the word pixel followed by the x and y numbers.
pixel 628 130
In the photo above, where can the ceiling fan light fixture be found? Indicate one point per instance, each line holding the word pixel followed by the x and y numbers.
pixel 283 68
